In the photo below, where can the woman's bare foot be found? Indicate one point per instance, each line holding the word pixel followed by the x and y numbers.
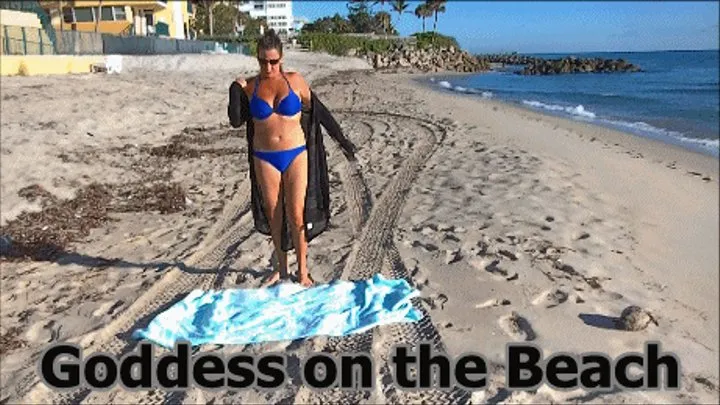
pixel 305 280
pixel 272 279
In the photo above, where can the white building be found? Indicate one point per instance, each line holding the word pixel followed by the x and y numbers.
pixel 278 14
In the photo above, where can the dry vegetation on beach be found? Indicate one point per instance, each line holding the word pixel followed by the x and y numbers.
pixel 122 193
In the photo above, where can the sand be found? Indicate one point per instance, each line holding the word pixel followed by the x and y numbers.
pixel 514 226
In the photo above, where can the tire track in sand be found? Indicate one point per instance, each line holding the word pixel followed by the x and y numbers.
pixel 218 252
pixel 115 338
pixel 410 334
pixel 367 256
pixel 367 259
pixel 358 203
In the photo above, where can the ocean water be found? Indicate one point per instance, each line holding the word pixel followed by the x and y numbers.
pixel 675 99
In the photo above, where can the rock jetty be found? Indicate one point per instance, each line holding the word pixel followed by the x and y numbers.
pixel 510 59
pixel 456 60
pixel 427 60
pixel 570 64
pixel 578 65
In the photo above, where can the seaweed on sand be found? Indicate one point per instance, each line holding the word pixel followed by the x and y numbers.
pixel 10 340
pixel 45 234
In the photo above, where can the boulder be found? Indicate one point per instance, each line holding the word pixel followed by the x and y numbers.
pixel 571 64
pixel 437 59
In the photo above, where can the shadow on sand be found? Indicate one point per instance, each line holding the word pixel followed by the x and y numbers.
pixel 602 321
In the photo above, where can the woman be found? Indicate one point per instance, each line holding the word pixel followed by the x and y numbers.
pixel 280 156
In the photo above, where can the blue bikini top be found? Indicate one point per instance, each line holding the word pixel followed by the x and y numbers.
pixel 288 106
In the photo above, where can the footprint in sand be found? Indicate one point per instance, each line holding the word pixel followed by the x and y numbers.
pixel 427 231
pixel 451 237
pixel 496 271
pixel 552 298
pixel 42 332
pixel 434 300
pixel 428 247
pixel 414 268
pixel 493 302
pixel 479 248
pixel 705 382
pixel 421 284
pixel 517 327
pixel 510 255
pixel 108 308
pixel 452 256
pixel 582 236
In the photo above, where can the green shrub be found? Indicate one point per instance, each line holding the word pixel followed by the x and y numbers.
pixel 252 47
pixel 427 40
pixel 336 44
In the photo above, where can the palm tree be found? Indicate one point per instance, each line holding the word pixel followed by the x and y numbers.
pixel 384 20
pixel 242 20
pixel 210 4
pixel 399 6
pixel 423 11
pixel 382 9
pixel 437 6
pixel 359 5
pixel 341 25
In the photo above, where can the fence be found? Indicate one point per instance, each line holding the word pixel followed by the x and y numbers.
pixel 31 6
pixel 79 43
pixel 30 41
pixel 25 41
pixel 152 46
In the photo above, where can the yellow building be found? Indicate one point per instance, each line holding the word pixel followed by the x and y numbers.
pixel 130 17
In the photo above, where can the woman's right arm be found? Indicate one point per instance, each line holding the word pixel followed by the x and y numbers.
pixel 238 107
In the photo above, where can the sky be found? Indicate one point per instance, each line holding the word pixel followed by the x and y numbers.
pixel 560 26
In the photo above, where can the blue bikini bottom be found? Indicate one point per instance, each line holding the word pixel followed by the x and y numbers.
pixel 280 159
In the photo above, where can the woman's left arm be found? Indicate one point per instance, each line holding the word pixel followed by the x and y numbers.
pixel 303 88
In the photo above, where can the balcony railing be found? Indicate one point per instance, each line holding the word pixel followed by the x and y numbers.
pixel 129 30
pixel 33 7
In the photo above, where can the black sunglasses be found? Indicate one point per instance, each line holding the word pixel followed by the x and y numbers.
pixel 270 61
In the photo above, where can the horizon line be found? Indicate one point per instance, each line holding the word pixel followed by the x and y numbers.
pixel 566 52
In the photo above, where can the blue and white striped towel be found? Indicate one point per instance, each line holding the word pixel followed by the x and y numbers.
pixel 283 312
